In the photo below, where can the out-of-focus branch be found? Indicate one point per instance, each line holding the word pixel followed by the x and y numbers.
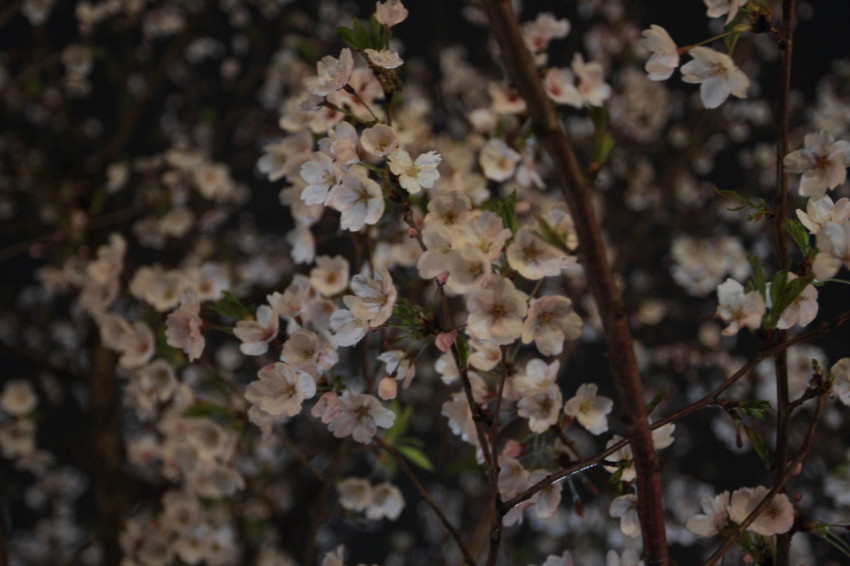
pixel 423 494
pixel 108 448
pixel 575 188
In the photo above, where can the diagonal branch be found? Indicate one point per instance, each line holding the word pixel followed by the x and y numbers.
pixel 575 188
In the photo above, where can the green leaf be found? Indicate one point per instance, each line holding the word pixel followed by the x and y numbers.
pixel 777 288
pixel 402 419
pixel 230 306
pixel 505 208
pixel 758 445
pixel 462 347
pixel 207 410
pixel 799 234
pixel 756 409
pixel 360 37
pixel 655 402
pixel 416 456
pixel 603 141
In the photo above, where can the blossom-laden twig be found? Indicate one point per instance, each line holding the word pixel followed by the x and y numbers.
pixel 521 70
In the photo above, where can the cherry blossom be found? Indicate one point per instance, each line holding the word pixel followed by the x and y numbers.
pixel 498 160
pixel 534 258
pixel 373 299
pixel 717 8
pixel 256 334
pixel 496 311
pixel 823 163
pixel 390 12
pixel 820 211
pixel 380 140
pixel 833 250
pixel 665 54
pixel 716 74
pixel 360 416
pixel 739 309
pixel 551 320
pixel 413 176
pixel 386 58
pixel 184 325
pixel 332 73
pixel 713 518
pixel 359 200
pixel 589 408
pixel 775 519
pixel 625 508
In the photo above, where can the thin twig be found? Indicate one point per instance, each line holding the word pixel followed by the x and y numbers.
pixel 790 470
pixel 423 494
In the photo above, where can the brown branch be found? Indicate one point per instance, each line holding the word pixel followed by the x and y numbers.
pixel 712 398
pixel 783 411
pixel 575 188
pixel 423 494
pixel 108 449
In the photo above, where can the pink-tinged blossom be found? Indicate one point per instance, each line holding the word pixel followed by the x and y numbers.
pixel 280 390
pixel 738 309
pixel 360 416
pixel 840 375
pixel 820 211
pixel 309 352
pixel 347 329
pixel 321 176
pixel 332 73
pixel 386 58
pixel 546 501
pixel 533 258
pixel 380 140
pixel 496 311
pixel 359 200
pixel 330 276
pixel 373 299
pixel 775 519
pixel 537 378
pixel 444 340
pixel 387 501
pixel 399 366
pixel 183 326
pixel 590 409
pixel 802 310
pixel 593 89
pixel 355 494
pixel 834 250
pixel 413 176
pixel 497 160
pixel 284 158
pixel 438 245
pixel 665 54
pixel 718 8
pixel 467 269
pixel 625 508
pixel 327 407
pixel 451 209
pixel 713 518
pixel 539 33
pixel 823 163
pixel 551 320
pixel 716 74
pixel 486 231
pixel 541 409
pixel 662 437
pixel 560 86
pixel 256 334
pixel 390 13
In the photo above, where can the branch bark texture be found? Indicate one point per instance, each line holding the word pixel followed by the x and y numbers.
pixel 576 188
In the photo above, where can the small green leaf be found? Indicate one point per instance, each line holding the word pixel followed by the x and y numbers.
pixel 799 234
pixel 230 306
pixel 462 347
pixel 777 288
pixel 603 141
pixel 207 410
pixel 654 402
pixel 416 456
pixel 402 419
pixel 758 445
pixel 505 208
pixel 756 409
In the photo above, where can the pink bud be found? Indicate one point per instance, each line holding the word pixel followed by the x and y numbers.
pixel 412 232
pixel 441 278
pixel 444 340
pixel 387 388
pixel 512 449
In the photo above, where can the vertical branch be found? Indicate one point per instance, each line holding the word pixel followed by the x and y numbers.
pixel 108 449
pixel 575 188
pixel 783 412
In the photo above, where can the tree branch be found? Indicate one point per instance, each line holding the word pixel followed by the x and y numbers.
pixel 575 188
